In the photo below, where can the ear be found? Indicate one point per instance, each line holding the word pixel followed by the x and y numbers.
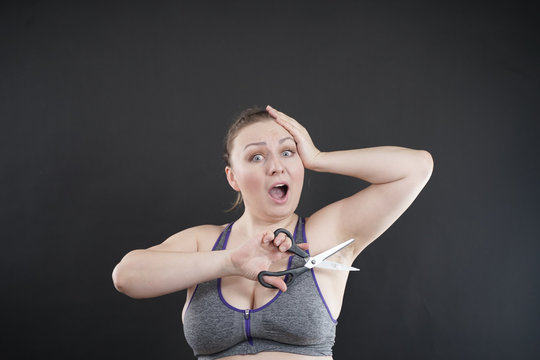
pixel 231 178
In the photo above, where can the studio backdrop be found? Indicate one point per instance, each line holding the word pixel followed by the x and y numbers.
pixel 113 115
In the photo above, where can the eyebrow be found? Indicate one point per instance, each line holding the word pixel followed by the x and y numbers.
pixel 264 143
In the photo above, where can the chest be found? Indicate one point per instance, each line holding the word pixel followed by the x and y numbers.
pixel 243 293
pixel 298 316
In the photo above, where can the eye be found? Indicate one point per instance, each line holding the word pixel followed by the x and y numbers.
pixel 287 153
pixel 257 157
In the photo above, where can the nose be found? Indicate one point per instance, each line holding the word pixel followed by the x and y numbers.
pixel 275 166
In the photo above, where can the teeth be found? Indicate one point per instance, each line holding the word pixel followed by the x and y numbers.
pixel 280 185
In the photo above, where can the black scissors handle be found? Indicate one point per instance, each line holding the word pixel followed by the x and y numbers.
pixel 294 248
pixel 292 273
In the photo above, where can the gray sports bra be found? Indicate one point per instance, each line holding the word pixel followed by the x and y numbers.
pixel 296 321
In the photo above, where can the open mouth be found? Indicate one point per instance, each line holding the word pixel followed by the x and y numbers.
pixel 279 191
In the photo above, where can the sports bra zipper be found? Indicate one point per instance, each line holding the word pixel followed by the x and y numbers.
pixel 247 326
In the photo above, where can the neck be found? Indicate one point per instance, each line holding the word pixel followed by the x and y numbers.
pixel 250 224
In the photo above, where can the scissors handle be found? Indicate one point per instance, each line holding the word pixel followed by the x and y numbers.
pixel 291 274
pixel 294 248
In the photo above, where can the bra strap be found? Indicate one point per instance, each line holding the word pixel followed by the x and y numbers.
pixel 299 234
pixel 222 241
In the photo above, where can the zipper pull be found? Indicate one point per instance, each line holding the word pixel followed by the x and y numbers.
pixel 246 314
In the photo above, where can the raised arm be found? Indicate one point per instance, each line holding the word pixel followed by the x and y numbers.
pixel 396 174
pixel 177 263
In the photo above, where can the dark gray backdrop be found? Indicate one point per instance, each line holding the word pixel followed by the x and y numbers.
pixel 112 116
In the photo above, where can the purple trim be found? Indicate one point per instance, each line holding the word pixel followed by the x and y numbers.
pixel 322 297
pixel 213 248
pixel 316 283
pixel 247 324
pixel 242 310
pixel 192 296
pixel 227 236
pixel 229 227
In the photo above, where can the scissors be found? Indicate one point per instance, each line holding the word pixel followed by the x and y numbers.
pixel 311 261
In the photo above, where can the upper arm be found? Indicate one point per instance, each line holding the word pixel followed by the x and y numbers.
pixel 189 240
pixel 365 215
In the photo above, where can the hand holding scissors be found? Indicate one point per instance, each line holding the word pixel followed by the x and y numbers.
pixel 311 261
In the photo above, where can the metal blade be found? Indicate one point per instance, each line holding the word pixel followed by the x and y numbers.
pixel 316 260
pixel 336 266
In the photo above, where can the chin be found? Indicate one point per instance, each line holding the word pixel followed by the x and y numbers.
pixel 283 210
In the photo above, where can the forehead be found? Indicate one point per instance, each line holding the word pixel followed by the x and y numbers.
pixel 267 131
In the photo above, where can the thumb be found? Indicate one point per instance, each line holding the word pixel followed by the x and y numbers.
pixel 303 246
pixel 276 281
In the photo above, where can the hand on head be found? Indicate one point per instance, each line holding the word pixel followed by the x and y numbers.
pixel 306 149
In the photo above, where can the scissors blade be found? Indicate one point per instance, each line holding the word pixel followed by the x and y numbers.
pixel 316 260
pixel 336 266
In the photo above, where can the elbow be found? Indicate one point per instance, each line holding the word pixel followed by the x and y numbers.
pixel 425 164
pixel 427 161
pixel 126 277
pixel 118 278
pixel 121 277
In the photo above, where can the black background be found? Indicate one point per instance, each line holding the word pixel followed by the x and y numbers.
pixel 112 117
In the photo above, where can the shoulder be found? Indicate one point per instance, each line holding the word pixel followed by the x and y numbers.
pixel 197 238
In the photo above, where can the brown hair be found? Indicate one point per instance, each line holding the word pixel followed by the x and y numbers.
pixel 247 117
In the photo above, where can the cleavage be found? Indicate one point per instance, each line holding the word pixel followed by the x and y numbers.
pixel 243 293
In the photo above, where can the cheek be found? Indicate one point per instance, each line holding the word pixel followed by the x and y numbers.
pixel 249 181
pixel 301 175
pixel 298 172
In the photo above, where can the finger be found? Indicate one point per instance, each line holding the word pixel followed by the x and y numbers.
pixel 280 238
pixel 287 118
pixel 271 110
pixel 289 124
pixel 268 237
pixel 304 246
pixel 278 115
pixel 276 281
pixel 286 245
pixel 289 127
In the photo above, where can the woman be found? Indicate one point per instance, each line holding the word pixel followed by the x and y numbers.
pixel 228 314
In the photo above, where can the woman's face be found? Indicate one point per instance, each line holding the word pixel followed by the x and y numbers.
pixel 266 169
